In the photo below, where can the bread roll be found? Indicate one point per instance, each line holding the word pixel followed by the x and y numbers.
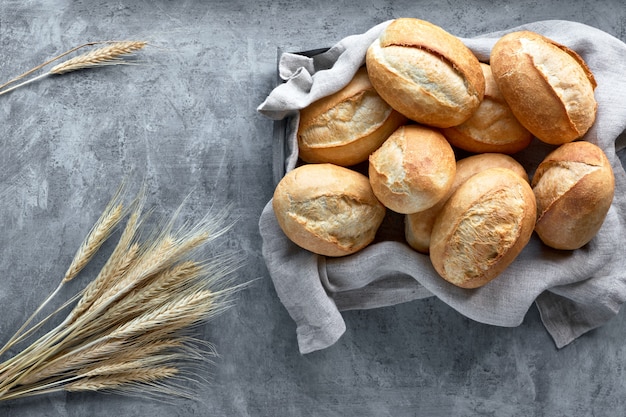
pixel 327 209
pixel 418 226
pixel 548 86
pixel 493 126
pixel 425 73
pixel 574 186
pixel 347 126
pixel 413 169
pixel 482 227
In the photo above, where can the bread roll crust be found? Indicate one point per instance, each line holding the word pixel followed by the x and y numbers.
pixel 492 128
pixel 344 128
pixel 574 186
pixel 425 73
pixel 413 169
pixel 327 209
pixel 483 227
pixel 548 86
pixel 419 226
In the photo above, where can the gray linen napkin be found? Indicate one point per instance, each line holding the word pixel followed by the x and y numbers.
pixel 575 291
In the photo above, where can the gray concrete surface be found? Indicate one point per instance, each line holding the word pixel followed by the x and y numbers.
pixel 185 121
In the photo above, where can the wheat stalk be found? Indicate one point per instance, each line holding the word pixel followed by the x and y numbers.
pixel 129 330
pixel 61 364
pixel 107 55
pixel 111 54
pixel 147 376
pixel 48 62
pixel 99 233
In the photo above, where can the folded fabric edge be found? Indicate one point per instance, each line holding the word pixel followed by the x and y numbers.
pixel 333 77
pixel 312 339
pixel 319 323
pixel 553 320
pixel 564 321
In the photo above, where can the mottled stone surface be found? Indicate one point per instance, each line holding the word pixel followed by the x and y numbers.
pixel 185 122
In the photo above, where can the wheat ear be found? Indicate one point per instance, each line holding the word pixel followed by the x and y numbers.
pixel 130 330
pixel 99 233
pixel 107 55
pixel 48 62
pixel 107 382
pixel 117 265
pixel 144 378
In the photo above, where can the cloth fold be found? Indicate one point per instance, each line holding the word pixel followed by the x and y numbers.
pixel 575 291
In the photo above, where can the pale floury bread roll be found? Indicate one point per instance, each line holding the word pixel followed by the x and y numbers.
pixel 483 227
pixel 493 126
pixel 344 128
pixel 418 226
pixel 327 209
pixel 413 169
pixel 574 186
pixel 548 86
pixel 425 73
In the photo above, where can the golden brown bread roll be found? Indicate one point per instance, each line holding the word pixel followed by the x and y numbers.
pixel 483 227
pixel 344 128
pixel 548 86
pixel 419 226
pixel 425 73
pixel 327 209
pixel 493 126
pixel 413 169
pixel 574 186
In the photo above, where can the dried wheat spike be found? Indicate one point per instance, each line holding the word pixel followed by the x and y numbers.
pixel 107 55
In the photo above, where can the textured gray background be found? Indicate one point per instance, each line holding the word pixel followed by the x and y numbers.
pixel 185 121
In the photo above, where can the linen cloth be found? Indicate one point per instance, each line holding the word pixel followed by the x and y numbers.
pixel 575 291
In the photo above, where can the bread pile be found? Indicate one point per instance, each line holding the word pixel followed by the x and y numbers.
pixel 426 131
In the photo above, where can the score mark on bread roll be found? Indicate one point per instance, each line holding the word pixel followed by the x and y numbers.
pixel 482 228
pixel 425 73
pixel 493 126
pixel 327 209
pixel 574 186
pixel 413 169
pixel 344 128
pixel 548 86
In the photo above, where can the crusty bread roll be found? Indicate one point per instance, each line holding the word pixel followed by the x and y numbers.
pixel 482 227
pixel 327 209
pixel 425 73
pixel 574 186
pixel 493 126
pixel 418 226
pixel 344 128
pixel 413 169
pixel 548 86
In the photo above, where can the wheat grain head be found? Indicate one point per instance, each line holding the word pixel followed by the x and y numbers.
pixel 107 55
